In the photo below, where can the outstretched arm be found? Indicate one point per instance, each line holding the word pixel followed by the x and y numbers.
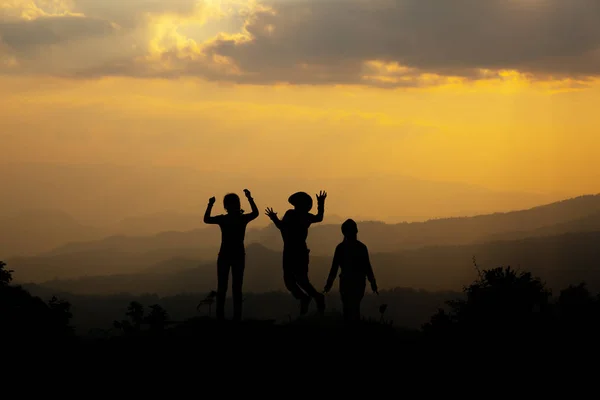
pixel 335 265
pixel 254 213
pixel 208 219
pixel 273 215
pixel 320 208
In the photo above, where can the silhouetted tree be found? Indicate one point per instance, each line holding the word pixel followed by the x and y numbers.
pixel 209 301
pixel 26 317
pixel 124 326
pixel 501 301
pixel 578 310
pixel 5 275
pixel 157 318
pixel 61 315
pixel 135 312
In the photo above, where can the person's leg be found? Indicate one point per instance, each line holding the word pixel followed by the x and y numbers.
pixel 346 309
pixel 346 301
pixel 360 294
pixel 352 293
pixel 355 310
pixel 289 277
pixel 237 280
pixel 304 283
pixel 222 283
pixel 301 272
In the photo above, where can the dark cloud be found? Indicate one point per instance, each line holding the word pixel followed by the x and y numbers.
pixel 23 35
pixel 456 38
pixel 419 42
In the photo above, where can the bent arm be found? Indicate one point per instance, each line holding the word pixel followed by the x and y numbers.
pixel 320 213
pixel 254 213
pixel 208 219
pixel 278 223
pixel 273 216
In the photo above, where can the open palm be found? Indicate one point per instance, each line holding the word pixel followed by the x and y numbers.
pixel 270 213
pixel 321 196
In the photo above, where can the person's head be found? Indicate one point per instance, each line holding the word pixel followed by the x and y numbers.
pixel 232 204
pixel 301 201
pixel 350 229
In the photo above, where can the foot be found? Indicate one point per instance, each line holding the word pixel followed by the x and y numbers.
pixel 304 305
pixel 320 300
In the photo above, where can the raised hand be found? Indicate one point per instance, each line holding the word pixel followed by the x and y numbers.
pixel 212 200
pixel 321 196
pixel 270 213
pixel 247 193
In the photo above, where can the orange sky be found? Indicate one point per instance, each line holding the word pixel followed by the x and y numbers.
pixel 291 89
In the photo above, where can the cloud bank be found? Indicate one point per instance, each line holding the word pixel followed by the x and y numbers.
pixel 389 43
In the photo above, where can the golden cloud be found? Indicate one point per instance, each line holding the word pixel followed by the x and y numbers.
pixel 386 43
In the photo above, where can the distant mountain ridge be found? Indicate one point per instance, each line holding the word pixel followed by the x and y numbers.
pixel 28 231
pixel 135 254
pixel 135 200
pixel 382 236
pixel 589 223
pixel 179 251
pixel 560 260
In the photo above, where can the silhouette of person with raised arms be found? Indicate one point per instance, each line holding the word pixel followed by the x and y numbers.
pixel 352 257
pixel 232 254
pixel 294 231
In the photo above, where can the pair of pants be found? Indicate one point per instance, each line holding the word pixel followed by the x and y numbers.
pixel 295 274
pixel 352 291
pixel 235 263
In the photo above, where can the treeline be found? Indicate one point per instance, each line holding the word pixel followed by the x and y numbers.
pixel 501 302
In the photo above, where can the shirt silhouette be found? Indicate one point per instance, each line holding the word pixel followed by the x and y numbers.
pixel 294 228
pixel 233 231
pixel 232 253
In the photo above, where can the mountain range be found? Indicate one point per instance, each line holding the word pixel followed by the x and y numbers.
pixel 45 205
pixel 557 241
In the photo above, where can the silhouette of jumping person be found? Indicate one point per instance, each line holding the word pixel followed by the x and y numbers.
pixel 294 231
pixel 352 257
pixel 232 254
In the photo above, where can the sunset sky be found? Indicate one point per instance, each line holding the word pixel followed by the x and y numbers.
pixel 503 94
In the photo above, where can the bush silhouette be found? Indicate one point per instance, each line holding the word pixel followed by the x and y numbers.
pixel 501 305
pixel 158 318
pixel 577 310
pixel 500 302
pixel 5 275
pixel 135 312
pixel 23 316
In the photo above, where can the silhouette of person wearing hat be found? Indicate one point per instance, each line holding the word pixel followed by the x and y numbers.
pixel 294 231
pixel 352 257
pixel 232 254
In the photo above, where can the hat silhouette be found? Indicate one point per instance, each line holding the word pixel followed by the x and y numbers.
pixel 301 200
